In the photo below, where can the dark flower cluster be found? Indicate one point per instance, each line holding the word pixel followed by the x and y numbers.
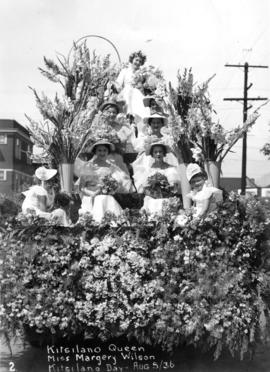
pixel 108 185
pixel 158 186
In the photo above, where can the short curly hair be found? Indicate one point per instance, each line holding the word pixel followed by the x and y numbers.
pixel 138 54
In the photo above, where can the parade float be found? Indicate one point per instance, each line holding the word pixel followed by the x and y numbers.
pixel 204 283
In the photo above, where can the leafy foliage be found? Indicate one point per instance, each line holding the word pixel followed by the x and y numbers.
pixel 204 284
pixel 66 120
pixel 194 123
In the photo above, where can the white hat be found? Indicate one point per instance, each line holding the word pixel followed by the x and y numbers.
pixel 192 170
pixel 155 116
pixel 102 142
pixel 110 103
pixel 45 174
pixel 156 143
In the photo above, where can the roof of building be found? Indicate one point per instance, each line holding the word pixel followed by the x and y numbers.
pixel 234 183
pixel 10 124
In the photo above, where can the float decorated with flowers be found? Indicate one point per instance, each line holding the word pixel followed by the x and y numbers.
pixel 131 240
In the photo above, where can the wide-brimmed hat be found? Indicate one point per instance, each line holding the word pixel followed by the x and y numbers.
pixel 110 103
pixel 155 116
pixel 147 99
pixel 192 170
pixel 45 174
pixel 156 143
pixel 102 142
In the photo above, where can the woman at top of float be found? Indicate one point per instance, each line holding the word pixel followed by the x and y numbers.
pixel 159 181
pixel 99 180
pixel 39 197
pixel 156 130
pixel 125 84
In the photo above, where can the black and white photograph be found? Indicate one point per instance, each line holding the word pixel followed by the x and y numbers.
pixel 134 186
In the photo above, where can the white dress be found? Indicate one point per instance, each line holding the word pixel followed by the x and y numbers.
pixel 33 203
pixel 126 137
pixel 144 161
pixel 98 205
pixel 132 96
pixel 152 205
pixel 207 193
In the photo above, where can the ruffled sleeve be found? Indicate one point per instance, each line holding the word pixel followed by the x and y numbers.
pixel 207 192
pixel 140 178
pixel 124 181
pixel 39 190
pixel 120 81
pixel 172 175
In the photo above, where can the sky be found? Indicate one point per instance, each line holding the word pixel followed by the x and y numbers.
pixel 174 34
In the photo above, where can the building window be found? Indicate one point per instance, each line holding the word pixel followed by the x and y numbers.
pixel 3 175
pixel 3 139
pixel 18 150
pixel 28 154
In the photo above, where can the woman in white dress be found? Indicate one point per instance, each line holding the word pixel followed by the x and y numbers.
pixel 38 197
pixel 156 131
pixel 204 196
pixel 132 96
pixel 154 200
pixel 123 130
pixel 117 130
pixel 97 194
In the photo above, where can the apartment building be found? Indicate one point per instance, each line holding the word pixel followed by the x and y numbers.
pixel 16 168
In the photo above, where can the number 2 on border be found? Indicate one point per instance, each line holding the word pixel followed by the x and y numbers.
pixel 12 367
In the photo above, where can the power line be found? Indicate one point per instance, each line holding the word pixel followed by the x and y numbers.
pixel 245 101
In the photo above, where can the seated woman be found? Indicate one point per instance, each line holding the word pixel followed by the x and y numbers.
pixel 159 181
pixel 99 180
pixel 156 123
pixel 154 104
pixel 125 84
pixel 38 197
pixel 124 132
pixel 116 130
pixel 205 197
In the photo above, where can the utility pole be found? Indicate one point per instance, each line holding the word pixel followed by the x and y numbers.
pixel 245 100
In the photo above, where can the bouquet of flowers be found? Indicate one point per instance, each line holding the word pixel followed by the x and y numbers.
pixel 211 141
pixel 147 79
pixel 194 124
pixel 157 186
pixel 108 185
pixel 67 119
